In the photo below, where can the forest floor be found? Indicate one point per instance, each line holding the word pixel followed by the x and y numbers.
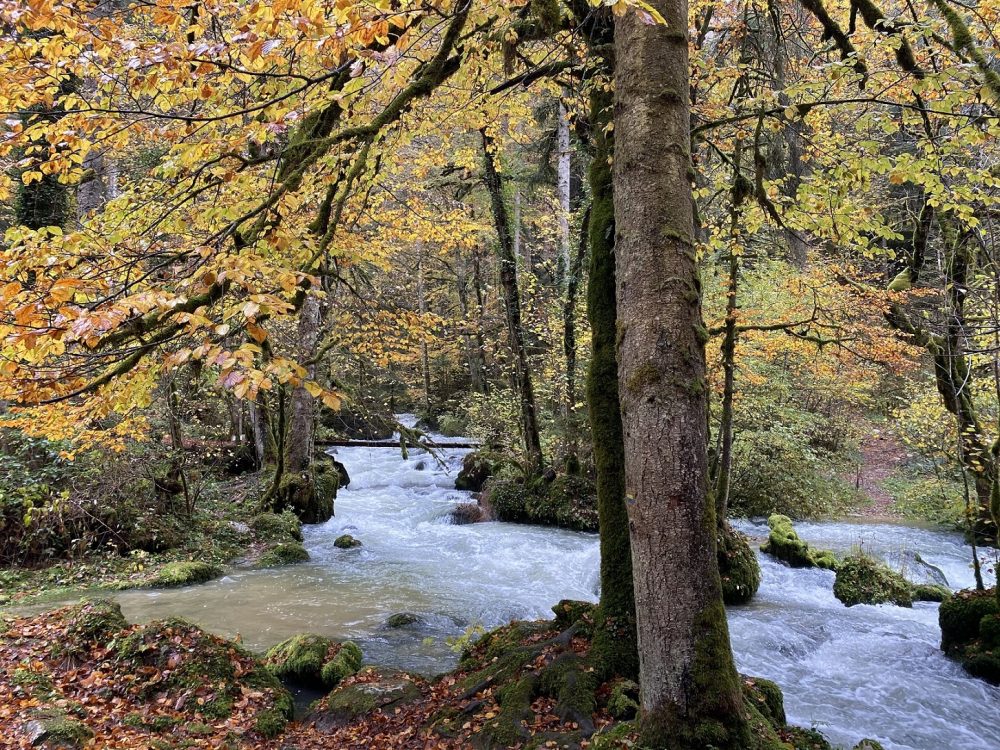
pixel 882 456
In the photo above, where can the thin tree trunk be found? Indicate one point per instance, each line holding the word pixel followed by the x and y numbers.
pixel 562 137
pixel 569 344
pixel 724 473
pixel 425 360
pixel 690 688
pixel 512 305
pixel 473 352
pixel 615 636
pixel 299 437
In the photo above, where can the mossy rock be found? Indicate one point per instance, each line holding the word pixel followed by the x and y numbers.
pixel 738 567
pixel 970 632
pixel 277 526
pixel 930 592
pixel 569 502
pixel 960 618
pixel 309 495
pixel 52 728
pixel 864 580
pixel 402 620
pixel 784 544
pixel 184 573
pixel 370 690
pixel 283 553
pixel 313 661
pixel 869 744
pixel 346 541
pixel 477 467
pixel 767 697
pixel 90 622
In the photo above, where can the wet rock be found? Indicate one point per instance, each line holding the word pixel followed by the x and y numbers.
pixel 371 690
pixel 924 592
pixel 920 571
pixel 402 620
pixel 346 541
pixel 784 544
pixel 345 478
pixel 420 466
pixel 467 513
pixel 864 580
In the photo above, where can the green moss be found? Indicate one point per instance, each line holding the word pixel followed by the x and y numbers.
pixel 346 662
pixel 477 467
pixel 738 567
pixel 52 728
pixel 568 502
pixel 784 544
pixel 767 697
pixel 508 728
pixel 623 703
pixel 868 744
pixel 346 541
pixel 283 553
pixel 184 573
pixel 617 736
pixel 374 690
pixel 928 592
pixel 277 525
pixel 270 723
pixel 570 612
pixel 300 658
pixel 863 580
pixel 960 618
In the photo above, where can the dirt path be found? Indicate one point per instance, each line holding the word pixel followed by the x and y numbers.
pixel 881 455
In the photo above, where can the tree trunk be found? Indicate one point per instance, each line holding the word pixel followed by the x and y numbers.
pixel 569 345
pixel 471 345
pixel 425 360
pixel 615 637
pixel 562 138
pixel 691 694
pixel 724 472
pixel 512 305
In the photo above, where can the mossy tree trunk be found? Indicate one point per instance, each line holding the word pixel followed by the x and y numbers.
pixel 512 306
pixel 691 693
pixel 615 642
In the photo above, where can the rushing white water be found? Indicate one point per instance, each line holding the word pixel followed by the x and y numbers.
pixel 851 673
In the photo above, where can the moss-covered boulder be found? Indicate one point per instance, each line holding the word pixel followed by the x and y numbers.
pixel 477 467
pixel 277 526
pixel 970 632
pixel 929 592
pixel 864 580
pixel 52 728
pixel 784 544
pixel 283 553
pixel 369 690
pixel 738 566
pixel 346 541
pixel 184 573
pixel 623 701
pixel 567 501
pixel 313 661
pixel 869 744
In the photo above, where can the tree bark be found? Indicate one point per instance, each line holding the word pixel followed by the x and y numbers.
pixel 691 694
pixel 615 637
pixel 512 306
pixel 301 423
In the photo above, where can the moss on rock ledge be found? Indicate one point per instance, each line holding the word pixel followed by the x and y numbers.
pixel 784 544
pixel 970 632
pixel 864 580
pixel 283 553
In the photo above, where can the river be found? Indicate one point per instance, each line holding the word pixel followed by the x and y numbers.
pixel 851 673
